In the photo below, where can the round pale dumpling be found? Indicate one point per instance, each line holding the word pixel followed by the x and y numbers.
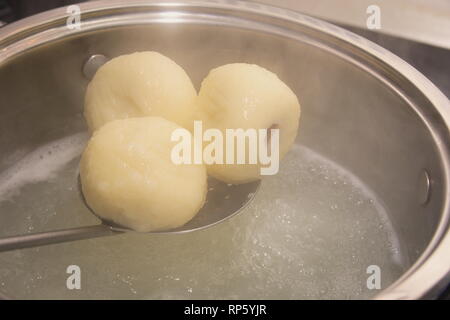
pixel 128 177
pixel 247 96
pixel 137 85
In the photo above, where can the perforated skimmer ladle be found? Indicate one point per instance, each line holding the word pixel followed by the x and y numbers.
pixel 223 201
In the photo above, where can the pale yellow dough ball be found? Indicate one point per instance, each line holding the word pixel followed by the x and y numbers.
pixel 137 85
pixel 247 96
pixel 128 176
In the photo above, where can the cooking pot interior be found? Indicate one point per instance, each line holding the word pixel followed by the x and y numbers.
pixel 374 206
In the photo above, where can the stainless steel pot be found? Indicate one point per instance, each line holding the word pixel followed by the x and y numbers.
pixel 363 107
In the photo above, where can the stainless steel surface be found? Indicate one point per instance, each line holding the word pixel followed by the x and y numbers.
pixel 92 64
pixel 363 107
pixel 418 20
pixel 424 187
pixel 433 62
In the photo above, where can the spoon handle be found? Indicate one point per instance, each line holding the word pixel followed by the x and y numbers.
pixel 57 236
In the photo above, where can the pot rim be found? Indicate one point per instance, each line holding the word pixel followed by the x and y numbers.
pixel 431 270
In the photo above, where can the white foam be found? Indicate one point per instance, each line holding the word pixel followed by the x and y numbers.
pixel 41 164
pixel 345 174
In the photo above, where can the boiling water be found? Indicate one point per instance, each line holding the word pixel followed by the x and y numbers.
pixel 311 232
